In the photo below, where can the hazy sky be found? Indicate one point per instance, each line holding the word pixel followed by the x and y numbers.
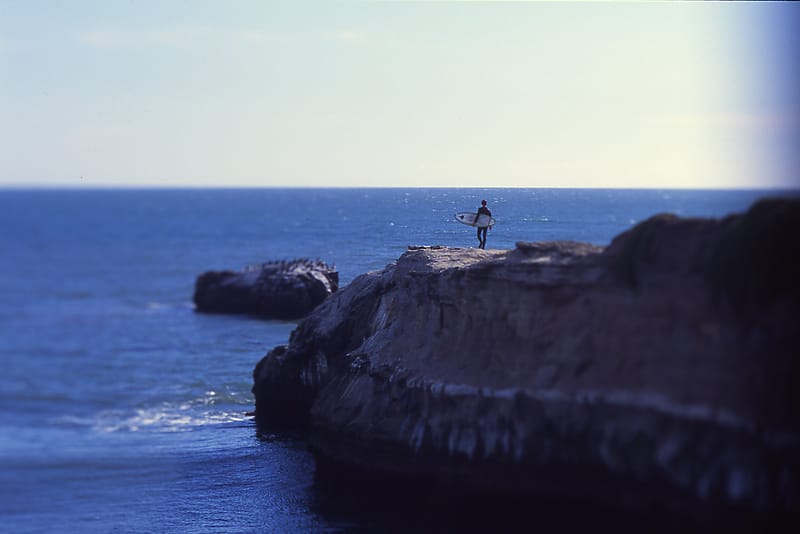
pixel 538 94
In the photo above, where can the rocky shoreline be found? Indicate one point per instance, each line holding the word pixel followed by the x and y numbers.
pixel 663 367
pixel 277 289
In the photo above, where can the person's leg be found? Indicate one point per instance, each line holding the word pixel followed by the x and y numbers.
pixel 480 241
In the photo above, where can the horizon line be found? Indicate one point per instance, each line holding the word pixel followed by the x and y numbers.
pixel 131 187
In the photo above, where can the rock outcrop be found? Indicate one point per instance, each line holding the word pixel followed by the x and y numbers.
pixel 663 368
pixel 279 290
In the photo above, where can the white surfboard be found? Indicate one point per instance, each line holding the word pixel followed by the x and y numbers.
pixel 468 218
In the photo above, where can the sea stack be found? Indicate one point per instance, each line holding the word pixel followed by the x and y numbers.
pixel 277 290
pixel 662 368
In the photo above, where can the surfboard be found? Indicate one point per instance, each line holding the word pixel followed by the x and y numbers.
pixel 468 218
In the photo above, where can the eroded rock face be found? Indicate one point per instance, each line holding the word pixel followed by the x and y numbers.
pixel 662 367
pixel 280 290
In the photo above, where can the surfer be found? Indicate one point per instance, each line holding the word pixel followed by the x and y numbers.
pixel 483 210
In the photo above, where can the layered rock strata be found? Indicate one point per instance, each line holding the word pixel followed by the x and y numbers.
pixel 661 368
pixel 279 289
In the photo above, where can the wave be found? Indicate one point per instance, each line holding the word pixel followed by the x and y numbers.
pixel 165 417
pixel 157 306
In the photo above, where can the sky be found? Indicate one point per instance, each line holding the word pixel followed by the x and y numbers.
pixel 399 94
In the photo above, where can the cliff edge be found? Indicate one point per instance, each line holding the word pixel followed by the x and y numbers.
pixel 663 367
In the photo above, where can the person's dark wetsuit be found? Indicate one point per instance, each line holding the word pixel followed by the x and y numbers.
pixel 483 210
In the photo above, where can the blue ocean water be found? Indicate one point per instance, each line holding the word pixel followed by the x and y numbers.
pixel 121 409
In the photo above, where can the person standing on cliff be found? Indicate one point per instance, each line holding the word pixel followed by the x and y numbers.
pixel 483 210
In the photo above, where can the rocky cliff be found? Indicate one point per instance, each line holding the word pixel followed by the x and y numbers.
pixel 661 368
pixel 277 289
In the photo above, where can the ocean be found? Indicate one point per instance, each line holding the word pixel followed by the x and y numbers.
pixel 124 410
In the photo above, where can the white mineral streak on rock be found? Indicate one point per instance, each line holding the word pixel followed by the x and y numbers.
pixel 458 390
pixel 469 441
pixel 639 400
pixel 381 319
pixel 418 435
pixel 314 370
pixel 452 440
pixel 490 439
pixel 352 385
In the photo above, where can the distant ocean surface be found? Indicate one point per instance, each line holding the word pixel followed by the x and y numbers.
pixel 121 409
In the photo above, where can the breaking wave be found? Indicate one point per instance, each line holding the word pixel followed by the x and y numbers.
pixel 210 409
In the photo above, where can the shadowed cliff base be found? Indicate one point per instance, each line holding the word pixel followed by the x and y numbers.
pixel 420 504
pixel 660 371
